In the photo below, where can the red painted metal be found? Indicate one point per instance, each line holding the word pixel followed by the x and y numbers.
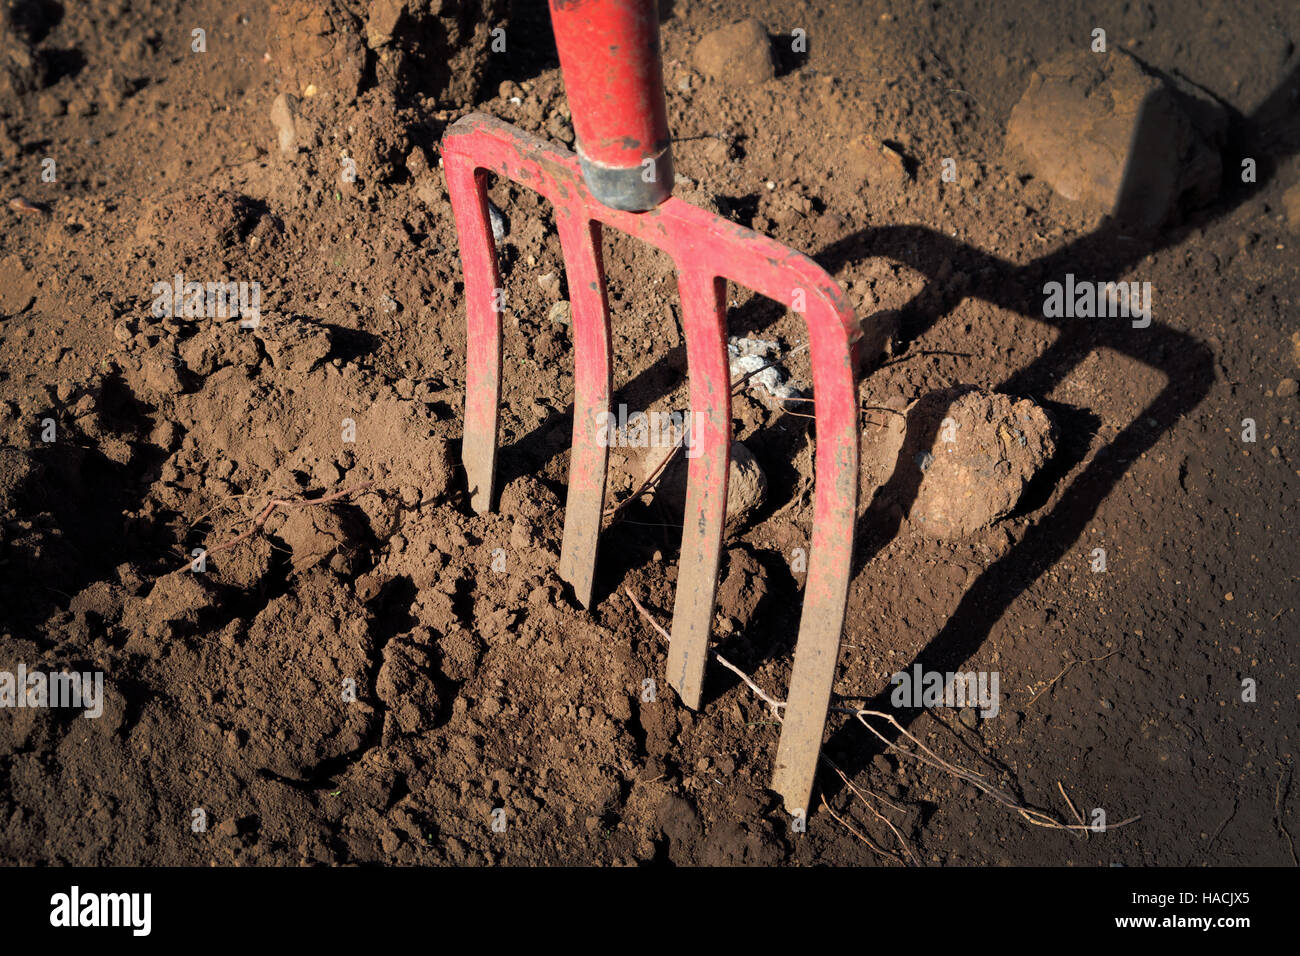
pixel 706 250
pixel 613 77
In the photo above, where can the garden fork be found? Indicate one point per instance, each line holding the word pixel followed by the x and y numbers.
pixel 622 178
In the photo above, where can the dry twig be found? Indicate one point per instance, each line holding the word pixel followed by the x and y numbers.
pixel 922 754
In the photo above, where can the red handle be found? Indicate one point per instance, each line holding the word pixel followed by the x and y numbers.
pixel 613 76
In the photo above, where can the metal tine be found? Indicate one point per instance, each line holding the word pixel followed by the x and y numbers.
pixel 830 558
pixel 584 269
pixel 758 264
pixel 703 318
pixel 467 189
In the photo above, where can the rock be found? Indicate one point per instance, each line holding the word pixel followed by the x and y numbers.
pixel 1109 132
pixel 739 54
pixel 500 224
pixel 382 20
pixel 760 361
pixel 284 116
pixel 1286 388
pixel 961 459
pixel 746 483
pixel 561 313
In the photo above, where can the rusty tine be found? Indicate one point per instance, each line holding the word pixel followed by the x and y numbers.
pixel 580 243
pixel 621 178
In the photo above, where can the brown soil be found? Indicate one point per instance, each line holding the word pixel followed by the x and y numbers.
pixel 480 684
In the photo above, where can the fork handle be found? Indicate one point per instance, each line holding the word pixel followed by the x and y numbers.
pixel 613 76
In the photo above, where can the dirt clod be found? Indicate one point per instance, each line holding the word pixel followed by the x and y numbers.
pixel 1110 133
pixel 962 458
pixel 738 54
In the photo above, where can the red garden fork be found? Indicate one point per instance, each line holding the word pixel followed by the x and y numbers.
pixel 622 177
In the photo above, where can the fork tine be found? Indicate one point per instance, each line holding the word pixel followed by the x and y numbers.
pixel 831 335
pixel 702 297
pixel 704 247
pixel 580 242
pixel 467 189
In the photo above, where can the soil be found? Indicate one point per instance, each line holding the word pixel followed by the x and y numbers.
pixel 386 677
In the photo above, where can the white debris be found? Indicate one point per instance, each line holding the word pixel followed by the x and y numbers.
pixel 500 225
pixel 746 355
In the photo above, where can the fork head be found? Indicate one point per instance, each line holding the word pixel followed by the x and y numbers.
pixel 707 251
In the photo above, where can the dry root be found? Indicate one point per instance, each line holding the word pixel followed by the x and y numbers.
pixel 917 752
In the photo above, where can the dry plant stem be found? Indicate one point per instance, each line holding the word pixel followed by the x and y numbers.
pixel 772 704
pixel 871 844
pixel 274 503
pixel 928 757
pixel 1070 803
pixel 922 755
pixel 862 795
pixel 646 485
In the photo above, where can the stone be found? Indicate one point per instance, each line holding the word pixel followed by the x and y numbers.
pixel 738 54
pixel 284 116
pixel 746 483
pixel 560 313
pixel 1124 140
pixel 959 458
pixel 382 20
